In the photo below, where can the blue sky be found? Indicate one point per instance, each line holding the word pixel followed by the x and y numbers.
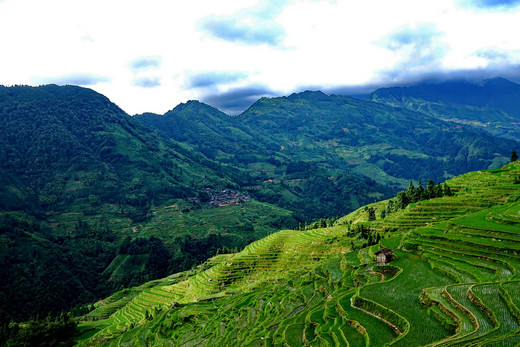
pixel 149 56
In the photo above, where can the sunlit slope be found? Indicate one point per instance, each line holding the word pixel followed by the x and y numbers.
pixel 453 281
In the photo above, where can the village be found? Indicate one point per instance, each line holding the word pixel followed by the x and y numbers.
pixel 226 197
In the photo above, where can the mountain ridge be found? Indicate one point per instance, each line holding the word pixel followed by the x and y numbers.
pixel 496 92
pixel 491 106
pixel 80 177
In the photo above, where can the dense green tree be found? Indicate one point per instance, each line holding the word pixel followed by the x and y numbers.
pixel 51 331
pixel 514 156
pixel 420 193
pixel 430 192
pixel 402 200
pixel 371 214
pixel 413 194
pixel 446 190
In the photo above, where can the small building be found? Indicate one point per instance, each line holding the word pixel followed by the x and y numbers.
pixel 384 256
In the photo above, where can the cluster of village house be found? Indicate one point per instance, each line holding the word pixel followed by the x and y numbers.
pixel 226 198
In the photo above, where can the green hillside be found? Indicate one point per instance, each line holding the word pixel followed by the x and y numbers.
pixel 452 281
pixel 290 138
pixel 311 153
pixel 307 185
pixel 72 145
pixel 212 132
pixel 390 145
pixel 491 106
pixel 78 177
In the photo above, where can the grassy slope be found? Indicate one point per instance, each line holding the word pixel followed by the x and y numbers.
pixel 453 282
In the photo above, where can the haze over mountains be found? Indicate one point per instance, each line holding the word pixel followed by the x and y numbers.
pixel 94 200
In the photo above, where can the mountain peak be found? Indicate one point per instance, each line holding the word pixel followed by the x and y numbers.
pixel 194 106
pixel 308 95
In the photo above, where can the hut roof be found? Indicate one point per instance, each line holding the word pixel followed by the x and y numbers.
pixel 385 251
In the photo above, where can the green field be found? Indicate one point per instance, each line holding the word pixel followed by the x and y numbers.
pixel 453 281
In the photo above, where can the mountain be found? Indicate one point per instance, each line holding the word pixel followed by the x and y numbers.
pixel 69 142
pixel 93 201
pixel 309 189
pixel 390 145
pixel 210 131
pixel 438 271
pixel 335 133
pixel 492 105
pixel 309 147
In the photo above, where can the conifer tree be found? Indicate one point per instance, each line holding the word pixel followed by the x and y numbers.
pixel 420 192
pixel 390 207
pixel 402 200
pixel 430 190
pixel 438 190
pixel 411 193
pixel 371 214
pixel 446 190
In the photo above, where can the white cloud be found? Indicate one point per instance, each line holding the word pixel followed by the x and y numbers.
pixel 118 47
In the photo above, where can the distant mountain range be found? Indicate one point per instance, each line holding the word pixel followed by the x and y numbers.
pixel 337 133
pixel 105 200
pixel 492 105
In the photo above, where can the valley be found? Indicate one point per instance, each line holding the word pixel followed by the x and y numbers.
pixel 199 228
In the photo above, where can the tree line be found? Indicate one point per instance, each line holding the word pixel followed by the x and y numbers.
pixel 413 195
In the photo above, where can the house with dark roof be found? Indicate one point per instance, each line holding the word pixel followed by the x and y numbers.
pixel 384 256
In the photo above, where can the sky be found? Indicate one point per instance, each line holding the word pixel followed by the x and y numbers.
pixel 149 56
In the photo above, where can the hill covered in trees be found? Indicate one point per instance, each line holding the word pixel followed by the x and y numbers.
pixel 300 133
pixel 79 177
pixel 307 185
pixel 93 201
pixel 390 145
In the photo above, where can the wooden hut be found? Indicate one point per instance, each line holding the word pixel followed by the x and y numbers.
pixel 384 256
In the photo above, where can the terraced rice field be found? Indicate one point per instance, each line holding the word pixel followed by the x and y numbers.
pixel 453 282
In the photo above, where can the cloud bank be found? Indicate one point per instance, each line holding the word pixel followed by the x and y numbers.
pixel 208 79
pixel 145 63
pixel 147 82
pixel 236 100
pixel 252 26
pixel 233 30
pixel 491 4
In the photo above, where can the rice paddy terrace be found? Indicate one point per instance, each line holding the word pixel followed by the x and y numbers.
pixel 453 281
